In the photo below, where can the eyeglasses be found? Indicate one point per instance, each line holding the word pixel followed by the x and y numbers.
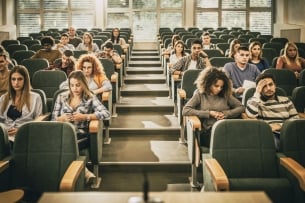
pixel 2 61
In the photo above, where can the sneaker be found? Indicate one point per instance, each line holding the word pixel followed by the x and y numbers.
pixel 89 176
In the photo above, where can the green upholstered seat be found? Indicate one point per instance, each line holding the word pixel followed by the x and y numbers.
pixel 42 154
pixel 298 98
pixel 245 151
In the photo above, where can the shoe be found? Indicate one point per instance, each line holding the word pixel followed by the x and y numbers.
pixel 89 176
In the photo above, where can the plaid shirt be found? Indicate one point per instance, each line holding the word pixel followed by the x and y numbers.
pixel 184 62
pixel 92 105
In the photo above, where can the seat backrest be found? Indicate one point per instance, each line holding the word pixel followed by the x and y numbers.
pixel 5 43
pixel 244 148
pixel 213 53
pixel 34 65
pixel 42 152
pixel 12 48
pixel 298 98
pixel 43 99
pixel 78 53
pixel 220 61
pixel 292 140
pixel 276 46
pixel 4 143
pixel 187 82
pixel 20 55
pixel 48 81
pixel 284 79
pixel 109 71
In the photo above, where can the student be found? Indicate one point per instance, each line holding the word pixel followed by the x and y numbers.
pixel 109 53
pixel 19 105
pixel 73 39
pixel 234 45
pixel 241 71
pixel 291 60
pixel 177 53
pixel 79 106
pixel 266 105
pixel 66 64
pixel 47 52
pixel 206 42
pixel 196 60
pixel 212 101
pixel 64 45
pixel 88 44
pixel 117 39
pixel 256 58
pixel 4 73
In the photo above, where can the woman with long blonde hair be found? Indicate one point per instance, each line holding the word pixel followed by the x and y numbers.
pixel 88 44
pixel 291 60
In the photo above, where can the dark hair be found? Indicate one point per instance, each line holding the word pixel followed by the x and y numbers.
pixel 117 40
pixel 109 45
pixel 47 40
pixel 197 41
pixel 209 76
pixel 205 34
pixel 68 53
pixel 64 35
pixel 263 76
pixel 242 48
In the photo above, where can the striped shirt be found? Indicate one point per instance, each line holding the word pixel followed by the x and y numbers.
pixel 271 111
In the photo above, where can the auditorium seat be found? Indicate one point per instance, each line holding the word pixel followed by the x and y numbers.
pixel 242 157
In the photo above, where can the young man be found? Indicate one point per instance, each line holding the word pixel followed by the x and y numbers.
pixel 66 64
pixel 109 53
pixel 64 45
pixel 267 106
pixel 47 52
pixel 196 60
pixel 4 73
pixel 206 42
pixel 241 70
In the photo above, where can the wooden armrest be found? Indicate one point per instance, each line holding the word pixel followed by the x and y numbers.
pixel 3 165
pixel 182 93
pixel 105 96
pixel 44 117
pixel 11 195
pixel 94 126
pixel 118 66
pixel 166 56
pixel 69 179
pixel 114 78
pixel 302 115
pixel 219 178
pixel 195 122
pixel 295 168
pixel 123 56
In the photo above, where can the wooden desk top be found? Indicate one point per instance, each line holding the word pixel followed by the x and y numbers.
pixel 167 197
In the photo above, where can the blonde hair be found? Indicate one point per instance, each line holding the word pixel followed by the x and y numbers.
pixel 90 45
pixel 296 58
pixel 255 43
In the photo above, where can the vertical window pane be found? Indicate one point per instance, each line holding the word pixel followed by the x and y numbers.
pixel 118 4
pixel 138 4
pixel 28 23
pixel 118 20
pixel 207 19
pixel 55 20
pixel 171 4
pixel 234 19
pixel 207 3
pixel 260 3
pixel 144 25
pixel 28 4
pixel 171 20
pixel 234 4
pixel 81 4
pixel 260 21
pixel 55 4
pixel 83 20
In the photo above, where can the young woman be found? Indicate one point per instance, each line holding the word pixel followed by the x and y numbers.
pixel 169 49
pixel 116 39
pixel 212 101
pixel 177 53
pixel 291 59
pixel 87 44
pixel 234 45
pixel 255 49
pixel 94 74
pixel 79 106
pixel 19 105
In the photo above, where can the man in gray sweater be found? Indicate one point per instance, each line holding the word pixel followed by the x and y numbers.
pixel 241 70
